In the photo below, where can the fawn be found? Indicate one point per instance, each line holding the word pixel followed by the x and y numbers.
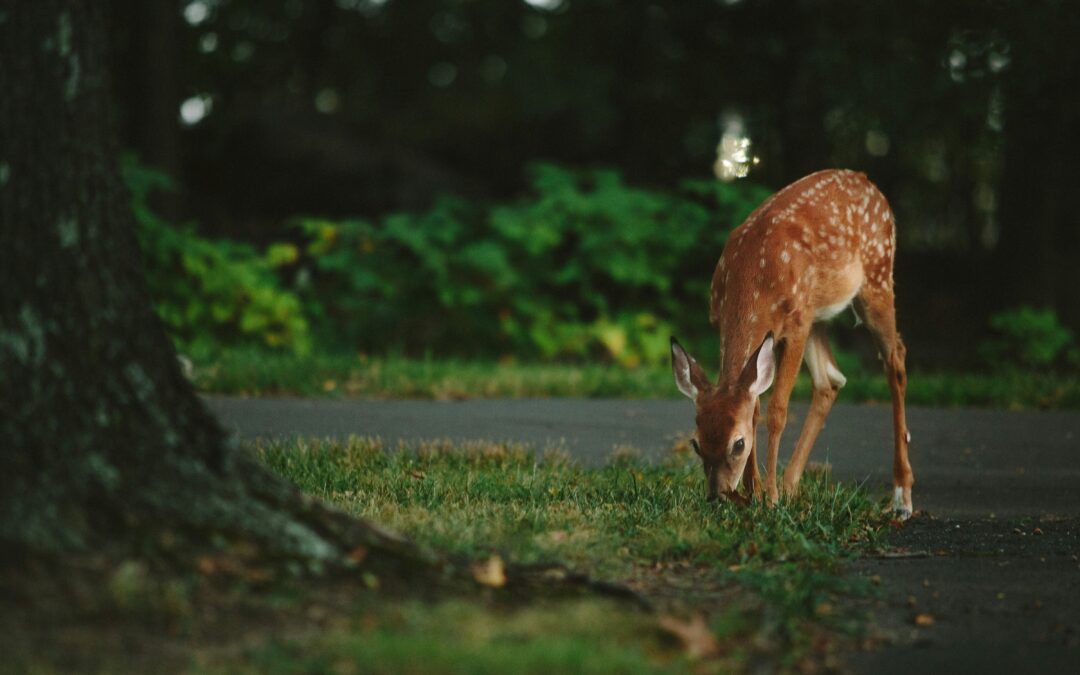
pixel 804 255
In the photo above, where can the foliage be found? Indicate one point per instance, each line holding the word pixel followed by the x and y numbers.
pixel 212 293
pixel 585 266
pixel 1026 337
pixel 255 372
pixel 466 638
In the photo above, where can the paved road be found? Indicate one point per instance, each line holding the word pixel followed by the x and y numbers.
pixel 997 496
pixel 968 463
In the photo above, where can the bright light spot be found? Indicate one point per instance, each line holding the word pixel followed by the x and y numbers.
pixel 194 109
pixel 549 5
pixel 442 74
pixel 327 101
pixel 208 42
pixel 196 12
pixel 957 60
pixel 733 158
pixel 877 143
pixel 997 62
pixel 362 6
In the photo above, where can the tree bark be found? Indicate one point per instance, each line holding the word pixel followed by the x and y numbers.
pixel 104 442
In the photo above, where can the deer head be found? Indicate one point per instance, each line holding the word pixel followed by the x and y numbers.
pixel 724 413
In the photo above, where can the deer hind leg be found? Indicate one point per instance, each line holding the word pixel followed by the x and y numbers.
pixel 776 415
pixel 827 380
pixel 880 316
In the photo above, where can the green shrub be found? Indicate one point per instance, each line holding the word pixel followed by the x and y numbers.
pixel 584 266
pixel 209 293
pixel 1026 337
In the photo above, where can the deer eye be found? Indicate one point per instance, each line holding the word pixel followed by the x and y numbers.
pixel 739 446
pixel 697 448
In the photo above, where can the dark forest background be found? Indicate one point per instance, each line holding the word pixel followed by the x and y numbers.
pixel 966 114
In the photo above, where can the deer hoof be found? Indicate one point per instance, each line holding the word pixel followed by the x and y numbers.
pixel 901 503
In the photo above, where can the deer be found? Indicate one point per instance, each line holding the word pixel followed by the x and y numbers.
pixel 803 256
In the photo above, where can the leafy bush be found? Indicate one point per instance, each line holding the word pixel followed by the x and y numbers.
pixel 584 266
pixel 1026 338
pixel 213 293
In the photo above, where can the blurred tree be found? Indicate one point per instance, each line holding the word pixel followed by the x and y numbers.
pixel 1040 239
pixel 148 49
pixel 344 108
pixel 105 444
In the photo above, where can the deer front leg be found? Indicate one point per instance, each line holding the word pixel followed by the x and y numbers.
pixel 776 417
pixel 827 380
pixel 751 473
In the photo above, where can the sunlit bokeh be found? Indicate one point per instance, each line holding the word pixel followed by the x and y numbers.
pixel 733 156
pixel 877 143
pixel 194 109
pixel 327 101
pixel 196 12
pixel 362 6
pixel 549 5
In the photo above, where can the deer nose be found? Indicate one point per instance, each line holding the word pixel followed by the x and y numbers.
pixel 718 496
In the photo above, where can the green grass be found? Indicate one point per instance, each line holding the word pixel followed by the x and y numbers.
pixel 337 375
pixel 769 580
pixel 464 637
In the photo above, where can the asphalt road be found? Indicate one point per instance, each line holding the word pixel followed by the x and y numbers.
pixel 991 581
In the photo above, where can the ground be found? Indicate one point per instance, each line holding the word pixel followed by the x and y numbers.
pixel 985 577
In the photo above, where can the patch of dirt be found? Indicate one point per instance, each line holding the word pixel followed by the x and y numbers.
pixel 975 595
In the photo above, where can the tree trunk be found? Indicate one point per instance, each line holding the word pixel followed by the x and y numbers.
pixel 104 442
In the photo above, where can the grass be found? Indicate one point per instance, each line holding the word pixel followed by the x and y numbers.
pixel 463 637
pixel 246 372
pixel 733 589
pixel 770 581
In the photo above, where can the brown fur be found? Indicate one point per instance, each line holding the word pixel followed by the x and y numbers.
pixel 805 253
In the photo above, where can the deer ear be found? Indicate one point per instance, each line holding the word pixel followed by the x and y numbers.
pixel 689 376
pixel 760 370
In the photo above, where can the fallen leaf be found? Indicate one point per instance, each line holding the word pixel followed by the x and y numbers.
pixel 206 565
pixel 924 620
pixel 491 572
pixel 417 475
pixel 696 638
pixel 1037 530
pixel 358 554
